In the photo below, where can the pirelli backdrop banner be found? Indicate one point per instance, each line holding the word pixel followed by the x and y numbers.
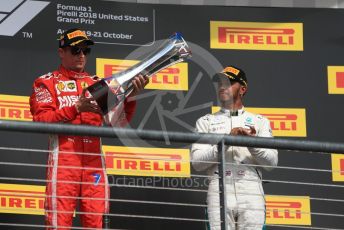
pixel 295 69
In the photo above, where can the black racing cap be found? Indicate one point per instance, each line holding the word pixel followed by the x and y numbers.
pixel 233 73
pixel 74 37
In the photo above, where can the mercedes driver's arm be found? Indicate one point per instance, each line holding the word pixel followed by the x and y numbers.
pixel 203 156
pixel 265 156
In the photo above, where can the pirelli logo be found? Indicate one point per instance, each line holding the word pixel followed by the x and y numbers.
pixel 15 108
pixel 335 77
pixel 134 161
pixel 284 122
pixel 337 167
pixel 289 210
pixel 256 36
pixel 22 199
pixel 76 34
pixel 172 78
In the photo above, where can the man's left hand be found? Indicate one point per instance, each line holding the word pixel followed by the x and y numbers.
pixel 139 82
pixel 240 131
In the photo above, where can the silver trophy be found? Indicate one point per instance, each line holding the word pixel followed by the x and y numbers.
pixel 111 91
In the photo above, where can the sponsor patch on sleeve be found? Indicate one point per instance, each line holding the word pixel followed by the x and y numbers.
pixel 42 94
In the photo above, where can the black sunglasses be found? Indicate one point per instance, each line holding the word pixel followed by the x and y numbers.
pixel 75 50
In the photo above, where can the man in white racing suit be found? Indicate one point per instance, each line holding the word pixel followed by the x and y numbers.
pixel 244 193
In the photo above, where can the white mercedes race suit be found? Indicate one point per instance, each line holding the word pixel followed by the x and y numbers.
pixel 245 195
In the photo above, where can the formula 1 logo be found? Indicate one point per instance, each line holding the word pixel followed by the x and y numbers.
pixel 15 14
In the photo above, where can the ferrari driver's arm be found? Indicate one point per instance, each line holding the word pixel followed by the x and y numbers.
pixel 43 104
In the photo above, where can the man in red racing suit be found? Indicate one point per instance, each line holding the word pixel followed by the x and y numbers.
pixel 76 167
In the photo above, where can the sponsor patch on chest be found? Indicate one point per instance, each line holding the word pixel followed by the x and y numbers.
pixel 67 101
pixel 66 86
pixel 219 126
pixel 249 122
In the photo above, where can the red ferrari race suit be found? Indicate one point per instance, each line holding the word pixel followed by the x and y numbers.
pixel 74 174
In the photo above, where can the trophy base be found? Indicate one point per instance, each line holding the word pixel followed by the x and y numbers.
pixel 104 96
